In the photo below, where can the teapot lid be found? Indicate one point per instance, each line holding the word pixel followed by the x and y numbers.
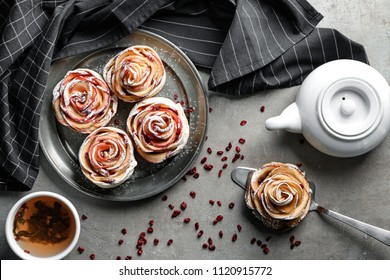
pixel 350 108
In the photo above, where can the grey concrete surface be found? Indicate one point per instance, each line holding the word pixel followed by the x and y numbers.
pixel 357 187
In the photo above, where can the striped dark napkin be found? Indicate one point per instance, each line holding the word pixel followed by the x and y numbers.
pixel 250 45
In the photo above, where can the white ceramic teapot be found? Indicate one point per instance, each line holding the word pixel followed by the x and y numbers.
pixel 342 109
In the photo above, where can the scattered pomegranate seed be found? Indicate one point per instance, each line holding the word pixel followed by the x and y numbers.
pixel 193 194
pixel 298 164
pixel 156 241
pixel 120 242
pixel 225 165
pixel 150 230
pixel 84 217
pixel 151 223
pixel 210 109
pixel 220 153
pixel 241 140
pixel 292 239
pixel 164 197
pixel 258 242
pixel 208 167
pixel 124 231
pixel 211 202
pixel 229 146
pixel 262 109
pixel 253 240
pixel 196 175
pixel 171 206
pixel 80 249
pixel 266 250
pixel 238 149
pixel 170 241
pixel 203 160
pixel 27 251
pixel 200 233
pixel 205 245
pixel 224 158
pixel 292 245
pixel 192 171
pixel 263 246
pixel 297 243
pixel 92 256
pixel 117 122
pixel 220 233
pixel 186 220
pixel 219 203
pixel 175 96
pixel 182 103
pixel 183 205
pixel 210 241
pixel 184 178
pixel 128 258
pixel 242 157
pixel 209 150
pixel 231 205
pixel 234 237
pixel 236 157
pixel 220 173
pixel 118 257
pixel 243 122
pixel 219 218
pixel 139 252
pixel 239 227
pixel 268 238
pixel 196 225
pixel 212 247
pixel 175 213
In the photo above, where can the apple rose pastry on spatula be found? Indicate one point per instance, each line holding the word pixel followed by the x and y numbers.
pixel 159 128
pixel 107 157
pixel 82 101
pixel 279 195
pixel 135 73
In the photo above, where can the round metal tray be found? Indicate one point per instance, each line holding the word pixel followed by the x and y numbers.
pixel 61 145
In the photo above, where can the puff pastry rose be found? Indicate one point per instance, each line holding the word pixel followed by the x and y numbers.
pixel 279 195
pixel 83 101
pixel 107 157
pixel 135 73
pixel 158 127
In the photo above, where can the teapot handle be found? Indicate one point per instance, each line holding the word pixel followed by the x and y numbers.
pixel 289 119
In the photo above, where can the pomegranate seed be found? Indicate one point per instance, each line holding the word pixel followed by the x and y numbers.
pixel 292 245
pixel 205 139
pixel 117 122
pixel 208 167
pixel 151 223
pixel 268 238
pixel 297 243
pixel 220 153
pixel 200 233
pixel 84 217
pixel 219 218
pixel 140 242
pixel 196 225
pixel 242 157
pixel 183 205
pixel 191 109
pixel 266 251
pixel 120 242
pixel 253 240
pixel 139 252
pixel 170 241
pixel 175 213
pixel 220 173
pixel 164 198
pixel 196 175
pixel 182 103
pixel 175 96
pixel 302 186
pixel 171 206
pixel 210 109
pixel 224 158
pixel 92 256
pixel 192 171
pixel 186 220
pixel 128 258
pixel 219 203
pixel 210 241
pixel 298 164
pixel 243 122
pixel 211 202
pixel 259 242
pixel 150 230
pixel 229 146
pixel 209 150
pixel 241 140
pixel 263 246
pixel 26 251
pixel 80 249
pixel 236 157
pixel 225 165
pixel 212 247
pixel 124 231
pixel 192 194
pixel 238 149
pixel 184 178
pixel 118 257
pixel 262 109
pixel 292 239
pixel 239 227
pixel 205 246
pixel 231 205
pixel 156 241
pixel 234 237
pixel 220 233
pixel 203 160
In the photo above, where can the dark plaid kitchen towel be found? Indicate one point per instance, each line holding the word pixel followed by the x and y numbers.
pixel 250 45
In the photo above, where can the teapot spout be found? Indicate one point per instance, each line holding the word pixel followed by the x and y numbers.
pixel 289 119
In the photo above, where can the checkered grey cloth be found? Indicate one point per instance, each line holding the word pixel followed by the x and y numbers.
pixel 251 45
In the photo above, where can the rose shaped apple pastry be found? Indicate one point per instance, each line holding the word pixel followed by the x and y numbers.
pixel 135 73
pixel 107 157
pixel 158 127
pixel 83 101
pixel 279 195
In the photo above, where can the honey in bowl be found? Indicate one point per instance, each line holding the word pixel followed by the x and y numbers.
pixel 44 227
